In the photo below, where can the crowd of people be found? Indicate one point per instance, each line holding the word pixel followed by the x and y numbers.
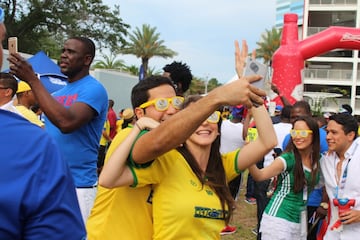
pixel 171 166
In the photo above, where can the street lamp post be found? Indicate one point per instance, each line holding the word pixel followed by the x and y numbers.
pixel 206 84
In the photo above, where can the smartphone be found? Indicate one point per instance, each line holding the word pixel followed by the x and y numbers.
pixel 13 45
pixel 253 67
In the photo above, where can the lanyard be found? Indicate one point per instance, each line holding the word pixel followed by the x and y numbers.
pixel 341 183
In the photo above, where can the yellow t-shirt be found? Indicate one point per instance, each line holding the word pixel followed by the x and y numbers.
pixel 118 125
pixel 120 213
pixel 252 135
pixel 29 115
pixel 182 208
pixel 103 140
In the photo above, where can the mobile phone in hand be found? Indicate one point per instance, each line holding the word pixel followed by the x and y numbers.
pixel 254 67
pixel 13 45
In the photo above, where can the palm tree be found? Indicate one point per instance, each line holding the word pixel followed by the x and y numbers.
pixel 109 62
pixel 270 42
pixel 132 69
pixel 152 71
pixel 146 44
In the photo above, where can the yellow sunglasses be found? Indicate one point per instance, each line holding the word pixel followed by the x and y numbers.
pixel 214 118
pixel 300 133
pixel 162 104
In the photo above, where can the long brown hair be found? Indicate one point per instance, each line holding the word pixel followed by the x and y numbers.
pixel 299 176
pixel 215 173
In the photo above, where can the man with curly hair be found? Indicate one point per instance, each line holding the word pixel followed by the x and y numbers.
pixel 180 75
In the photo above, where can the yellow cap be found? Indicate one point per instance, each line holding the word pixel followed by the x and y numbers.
pixel 23 87
pixel 128 114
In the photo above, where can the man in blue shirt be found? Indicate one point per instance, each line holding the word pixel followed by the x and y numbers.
pixel 38 198
pixel 75 114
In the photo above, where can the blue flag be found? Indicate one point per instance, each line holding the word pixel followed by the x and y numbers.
pixel 141 73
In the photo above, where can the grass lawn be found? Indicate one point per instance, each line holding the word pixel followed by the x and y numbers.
pixel 244 218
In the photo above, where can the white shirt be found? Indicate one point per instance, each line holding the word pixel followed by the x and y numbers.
pixel 9 106
pixel 350 189
pixel 231 136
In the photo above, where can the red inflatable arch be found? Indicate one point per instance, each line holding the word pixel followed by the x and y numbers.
pixel 288 60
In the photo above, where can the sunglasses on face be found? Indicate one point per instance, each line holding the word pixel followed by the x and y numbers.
pixel 214 118
pixel 162 104
pixel 300 133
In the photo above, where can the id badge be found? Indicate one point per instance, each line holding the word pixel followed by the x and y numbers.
pixel 303 223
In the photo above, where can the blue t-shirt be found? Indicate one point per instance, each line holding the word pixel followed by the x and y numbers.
pixel 80 147
pixel 38 198
pixel 316 195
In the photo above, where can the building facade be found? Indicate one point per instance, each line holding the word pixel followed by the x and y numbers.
pixel 334 77
pixel 289 6
pixel 337 71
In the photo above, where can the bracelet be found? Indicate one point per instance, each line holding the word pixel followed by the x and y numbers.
pixel 137 125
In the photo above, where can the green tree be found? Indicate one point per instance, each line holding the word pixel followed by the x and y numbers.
pixel 152 71
pixel 213 83
pixel 45 24
pixel 270 42
pixel 109 62
pixel 197 85
pixel 145 43
pixel 132 69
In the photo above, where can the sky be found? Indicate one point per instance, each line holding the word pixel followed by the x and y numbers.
pixel 202 32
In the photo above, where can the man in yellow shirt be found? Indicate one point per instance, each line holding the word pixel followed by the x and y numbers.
pixel 126 212
pixel 26 99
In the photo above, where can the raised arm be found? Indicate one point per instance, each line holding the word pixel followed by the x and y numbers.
pixel 246 125
pixel 175 130
pixel 276 90
pixel 274 169
pixel 66 119
pixel 266 140
pixel 115 172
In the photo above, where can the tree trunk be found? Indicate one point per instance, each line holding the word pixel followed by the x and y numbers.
pixel 145 63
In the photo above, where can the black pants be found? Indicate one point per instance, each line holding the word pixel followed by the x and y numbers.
pixel 234 186
pixel 250 187
pixel 262 200
pixel 260 189
pixel 312 234
pixel 101 156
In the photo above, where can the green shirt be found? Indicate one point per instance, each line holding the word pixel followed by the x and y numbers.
pixel 285 203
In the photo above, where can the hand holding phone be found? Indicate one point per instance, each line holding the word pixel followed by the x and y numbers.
pixel 253 67
pixel 12 45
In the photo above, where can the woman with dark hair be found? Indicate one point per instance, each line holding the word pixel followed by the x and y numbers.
pixel 297 171
pixel 191 198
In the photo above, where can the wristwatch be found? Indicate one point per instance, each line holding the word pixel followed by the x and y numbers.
pixel 324 205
